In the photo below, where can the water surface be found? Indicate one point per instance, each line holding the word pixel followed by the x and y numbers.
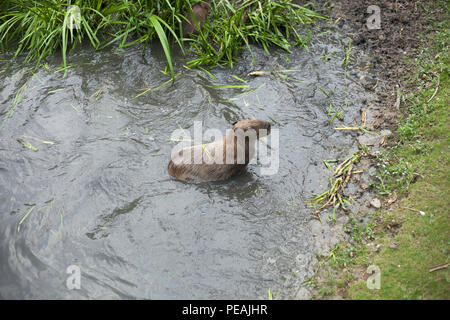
pixel 104 201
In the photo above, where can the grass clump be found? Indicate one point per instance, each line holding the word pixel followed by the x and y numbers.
pixel 41 28
pixel 234 25
pixel 333 197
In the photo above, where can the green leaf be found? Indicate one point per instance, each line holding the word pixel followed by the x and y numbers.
pixel 163 40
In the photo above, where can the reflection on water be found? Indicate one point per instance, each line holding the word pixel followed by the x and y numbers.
pixel 105 202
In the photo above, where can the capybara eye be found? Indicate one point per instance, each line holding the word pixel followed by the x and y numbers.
pixel 234 123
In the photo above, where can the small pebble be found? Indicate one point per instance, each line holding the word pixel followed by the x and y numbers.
pixel 393 245
pixel 376 203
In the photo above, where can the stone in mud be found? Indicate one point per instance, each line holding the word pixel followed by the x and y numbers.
pixel 373 139
pixel 393 245
pixel 376 203
pixel 372 171
pixel 303 294
pixel 367 139
pixel 385 133
pixel 359 39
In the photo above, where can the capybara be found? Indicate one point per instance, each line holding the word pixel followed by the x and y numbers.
pixel 222 159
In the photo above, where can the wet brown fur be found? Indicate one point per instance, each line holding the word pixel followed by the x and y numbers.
pixel 200 11
pixel 217 171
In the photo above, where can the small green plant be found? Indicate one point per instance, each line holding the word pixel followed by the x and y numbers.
pixel 347 52
pixel 327 57
pixel 234 25
pixel 359 232
pixel 334 113
pixel 393 173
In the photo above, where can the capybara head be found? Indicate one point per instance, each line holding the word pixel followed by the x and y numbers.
pixel 261 127
pixel 204 5
pixel 199 12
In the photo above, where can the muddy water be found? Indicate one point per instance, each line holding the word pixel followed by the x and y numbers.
pixel 103 200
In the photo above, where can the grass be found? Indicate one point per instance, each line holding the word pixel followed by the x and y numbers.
pixel 28 145
pixel 334 113
pixel 234 25
pixel 42 28
pixel 410 242
pixel 333 197
pixel 347 52
pixel 147 90
pixel 24 217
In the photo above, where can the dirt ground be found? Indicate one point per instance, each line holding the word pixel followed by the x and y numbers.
pixel 402 23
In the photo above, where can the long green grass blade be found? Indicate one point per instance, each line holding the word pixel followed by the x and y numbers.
pixel 164 42
pixel 23 219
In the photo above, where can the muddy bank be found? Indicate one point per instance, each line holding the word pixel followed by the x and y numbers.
pixel 401 22
pixel 402 25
